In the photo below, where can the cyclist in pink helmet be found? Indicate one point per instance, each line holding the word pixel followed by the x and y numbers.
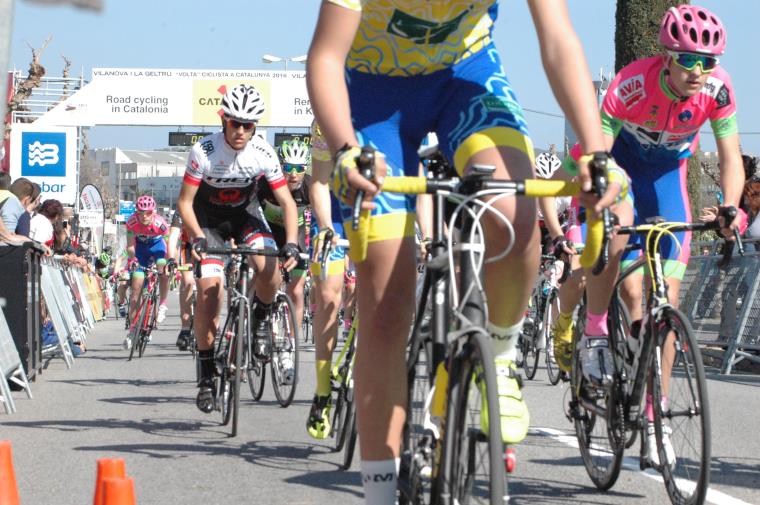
pixel 146 203
pixel 651 117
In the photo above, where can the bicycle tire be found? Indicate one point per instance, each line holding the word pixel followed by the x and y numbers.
pixel 136 331
pixel 530 354
pixel 241 333
pixel 147 326
pixel 257 375
pixel 619 324
pixel 285 344
pixel 222 358
pixel 687 414
pixel 350 445
pixel 601 457
pixel 419 441
pixel 472 473
pixel 552 368
pixel 343 404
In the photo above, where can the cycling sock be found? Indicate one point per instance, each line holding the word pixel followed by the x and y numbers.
pixel 505 340
pixel 162 301
pixel 596 324
pixel 565 319
pixel 323 377
pixel 206 361
pixel 649 407
pixel 379 479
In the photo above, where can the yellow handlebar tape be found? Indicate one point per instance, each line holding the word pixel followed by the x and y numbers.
pixel 594 237
pixel 406 185
pixel 541 187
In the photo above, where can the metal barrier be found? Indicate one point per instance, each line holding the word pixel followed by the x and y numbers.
pixel 723 307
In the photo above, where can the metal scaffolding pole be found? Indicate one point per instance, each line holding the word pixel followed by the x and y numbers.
pixel 6 28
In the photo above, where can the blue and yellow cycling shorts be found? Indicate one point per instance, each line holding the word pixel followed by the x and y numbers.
pixel 336 262
pixel 470 106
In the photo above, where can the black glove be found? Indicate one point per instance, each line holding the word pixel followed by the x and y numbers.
pixel 199 244
pixel 290 250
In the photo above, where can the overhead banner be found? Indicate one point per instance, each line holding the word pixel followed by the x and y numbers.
pixel 46 155
pixel 166 97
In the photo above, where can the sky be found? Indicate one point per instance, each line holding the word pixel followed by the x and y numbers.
pixel 234 34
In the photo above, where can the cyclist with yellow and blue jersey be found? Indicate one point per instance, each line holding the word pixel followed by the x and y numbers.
pixel 384 73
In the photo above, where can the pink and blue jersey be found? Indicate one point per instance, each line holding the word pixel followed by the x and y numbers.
pixel 150 239
pixel 655 133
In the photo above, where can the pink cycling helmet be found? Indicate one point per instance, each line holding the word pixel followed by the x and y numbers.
pixel 693 29
pixel 146 203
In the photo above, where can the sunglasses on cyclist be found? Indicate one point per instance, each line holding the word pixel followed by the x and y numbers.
pixel 234 124
pixel 290 168
pixel 689 61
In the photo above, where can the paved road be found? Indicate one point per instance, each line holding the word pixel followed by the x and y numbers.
pixel 144 411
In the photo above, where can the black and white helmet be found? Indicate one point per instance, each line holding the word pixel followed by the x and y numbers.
pixel 546 165
pixel 243 103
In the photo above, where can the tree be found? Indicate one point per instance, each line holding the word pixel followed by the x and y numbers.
pixel 637 25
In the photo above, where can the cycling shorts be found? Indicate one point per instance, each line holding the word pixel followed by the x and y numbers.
pixel 150 253
pixel 336 262
pixel 470 106
pixel 661 191
pixel 243 228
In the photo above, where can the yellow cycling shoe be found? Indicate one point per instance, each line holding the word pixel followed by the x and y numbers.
pixel 318 424
pixel 515 418
pixel 563 344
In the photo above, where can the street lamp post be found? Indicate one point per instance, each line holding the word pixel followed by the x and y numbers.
pixel 268 58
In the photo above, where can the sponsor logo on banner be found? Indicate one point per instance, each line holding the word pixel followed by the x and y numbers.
pixel 207 99
pixel 43 154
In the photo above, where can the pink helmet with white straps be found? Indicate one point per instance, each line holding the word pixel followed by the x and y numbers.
pixel 693 29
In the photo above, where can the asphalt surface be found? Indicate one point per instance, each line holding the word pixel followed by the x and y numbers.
pixel 144 411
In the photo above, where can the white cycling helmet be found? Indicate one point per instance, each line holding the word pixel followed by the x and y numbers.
pixel 243 103
pixel 295 152
pixel 546 165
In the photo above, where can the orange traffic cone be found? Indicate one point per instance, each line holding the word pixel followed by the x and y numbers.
pixel 8 489
pixel 119 491
pixel 108 468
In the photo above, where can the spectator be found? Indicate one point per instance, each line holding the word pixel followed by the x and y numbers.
pixel 10 209
pixel 42 223
pixel 18 217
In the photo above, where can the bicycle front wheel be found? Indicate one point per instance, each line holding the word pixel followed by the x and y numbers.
pixel 550 312
pixel 684 418
pixel 589 408
pixel 137 329
pixel 473 452
pixel 284 363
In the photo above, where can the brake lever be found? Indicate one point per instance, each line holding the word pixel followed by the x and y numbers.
pixel 365 162
pixel 599 176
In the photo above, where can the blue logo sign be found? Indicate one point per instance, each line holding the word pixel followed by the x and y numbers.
pixel 43 154
pixel 126 208
pixel 685 116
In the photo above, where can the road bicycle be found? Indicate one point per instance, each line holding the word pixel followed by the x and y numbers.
pixel 144 322
pixel 307 332
pixel 343 427
pixel 232 351
pixel 608 420
pixel 450 454
pixel 280 352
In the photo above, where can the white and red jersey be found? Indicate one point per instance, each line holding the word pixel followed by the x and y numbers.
pixel 225 177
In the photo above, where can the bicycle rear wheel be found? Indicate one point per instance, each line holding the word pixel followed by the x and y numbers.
pixel 686 412
pixel 474 470
pixel 147 326
pixel 284 362
pixel 344 400
pixel 350 444
pixel 529 352
pixel 589 409
pixel 550 311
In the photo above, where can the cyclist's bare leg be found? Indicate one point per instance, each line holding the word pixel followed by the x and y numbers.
pixel 571 291
pixel 349 300
pixel 295 292
pixel 380 381
pixel 207 308
pixel 134 296
pixel 509 299
pixel 186 298
pixel 327 297
pixel 121 292
pixel 163 283
pixel 267 279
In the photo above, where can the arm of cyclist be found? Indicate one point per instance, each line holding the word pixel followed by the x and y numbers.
pixel 325 81
pixel 731 182
pixel 573 89
pixel 553 226
pixel 291 250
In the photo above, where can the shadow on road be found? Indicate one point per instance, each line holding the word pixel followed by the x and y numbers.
pixel 523 491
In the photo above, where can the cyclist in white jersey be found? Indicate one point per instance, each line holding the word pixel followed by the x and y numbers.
pixel 219 183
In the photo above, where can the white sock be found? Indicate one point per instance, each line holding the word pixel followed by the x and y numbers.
pixel 505 340
pixel 379 480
